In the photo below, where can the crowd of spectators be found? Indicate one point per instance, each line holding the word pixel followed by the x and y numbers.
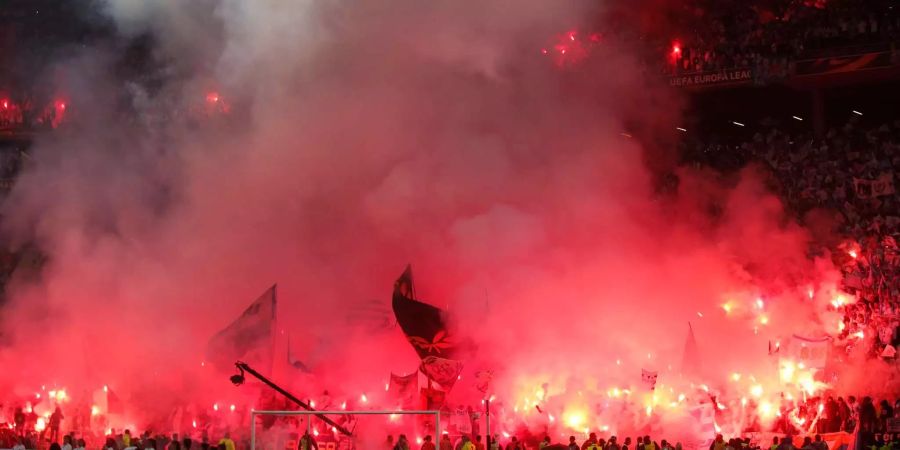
pixel 769 35
pixel 848 173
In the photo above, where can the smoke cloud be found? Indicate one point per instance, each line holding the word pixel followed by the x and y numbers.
pixel 364 136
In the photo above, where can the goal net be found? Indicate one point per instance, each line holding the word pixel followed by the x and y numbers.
pixel 341 430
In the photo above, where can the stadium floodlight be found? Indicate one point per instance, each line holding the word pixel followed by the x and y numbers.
pixel 238 379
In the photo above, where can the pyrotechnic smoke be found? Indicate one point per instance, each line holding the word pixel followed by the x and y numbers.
pixel 372 134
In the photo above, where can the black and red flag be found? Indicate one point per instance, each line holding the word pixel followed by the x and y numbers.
pixel 426 330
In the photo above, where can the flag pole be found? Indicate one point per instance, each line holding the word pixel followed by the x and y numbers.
pixel 244 367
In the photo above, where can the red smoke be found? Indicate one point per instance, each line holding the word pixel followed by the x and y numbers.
pixel 381 135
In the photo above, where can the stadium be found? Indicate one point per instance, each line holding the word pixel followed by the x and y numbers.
pixel 589 224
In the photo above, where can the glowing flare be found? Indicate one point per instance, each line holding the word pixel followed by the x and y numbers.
pixel 215 406
pixel 343 405
pixel 95 410
pixel 759 303
pixel 363 398
pixel 727 307
pixel 807 384
pixel 787 371
pixel 810 294
pixel 649 410
pixel 194 423
pixel 756 390
pixel 105 388
pixel 574 418
pixel 552 419
pixel 40 425
pixel 852 254
pixel 763 320
pixel 736 377
pixel 765 409
pixel 231 408
pixel 859 334
pixel 839 301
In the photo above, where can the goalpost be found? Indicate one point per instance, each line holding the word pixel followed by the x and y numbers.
pixel 310 415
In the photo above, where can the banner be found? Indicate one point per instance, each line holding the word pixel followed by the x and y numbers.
pixel 834 441
pixel 893 425
pixel 404 388
pixel 461 421
pixel 649 378
pixel 883 185
pixel 729 76
pixel 812 352
pixel 841 64
pixel 249 338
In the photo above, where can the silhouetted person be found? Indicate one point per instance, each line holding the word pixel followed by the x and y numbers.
pixel 55 422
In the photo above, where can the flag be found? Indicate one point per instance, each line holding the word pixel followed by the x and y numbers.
pixel 704 416
pixel 249 338
pixel 433 398
pixel 690 358
pixel 442 371
pixel 649 378
pixel 426 331
pixel 483 380
pixel 113 403
pixel 404 389
pixel 297 364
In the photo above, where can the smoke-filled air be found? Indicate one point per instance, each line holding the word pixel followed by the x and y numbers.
pixel 586 280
